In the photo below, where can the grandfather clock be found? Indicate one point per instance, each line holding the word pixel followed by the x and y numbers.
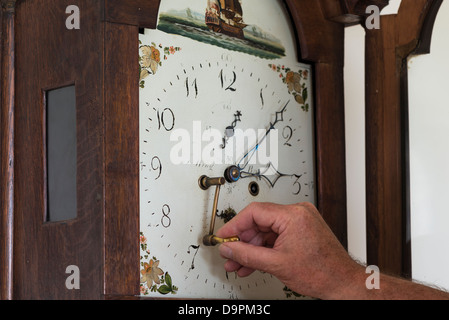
pixel 70 146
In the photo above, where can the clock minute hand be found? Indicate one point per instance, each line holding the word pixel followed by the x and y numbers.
pixel 248 156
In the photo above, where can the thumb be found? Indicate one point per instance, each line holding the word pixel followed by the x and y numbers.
pixel 250 256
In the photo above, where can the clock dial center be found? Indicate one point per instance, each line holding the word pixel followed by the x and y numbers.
pixel 232 174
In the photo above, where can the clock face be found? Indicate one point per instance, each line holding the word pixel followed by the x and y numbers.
pixel 205 107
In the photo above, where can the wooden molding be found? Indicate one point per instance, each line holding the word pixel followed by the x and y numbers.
pixel 141 13
pixel 358 7
pixel 425 38
pixel 386 107
pixel 321 42
pixel 9 5
pixel 7 151
pixel 349 12
pixel 121 221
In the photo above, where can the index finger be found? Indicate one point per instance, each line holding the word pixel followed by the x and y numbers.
pixel 257 217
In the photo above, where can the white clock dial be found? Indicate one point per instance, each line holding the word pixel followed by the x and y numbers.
pixel 204 109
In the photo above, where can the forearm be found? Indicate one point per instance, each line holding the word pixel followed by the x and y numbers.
pixel 390 288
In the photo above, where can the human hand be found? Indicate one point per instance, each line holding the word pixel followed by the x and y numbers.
pixel 291 242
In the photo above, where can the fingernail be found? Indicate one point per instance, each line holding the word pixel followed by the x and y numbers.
pixel 225 251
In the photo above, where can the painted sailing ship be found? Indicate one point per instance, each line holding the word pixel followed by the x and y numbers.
pixel 225 16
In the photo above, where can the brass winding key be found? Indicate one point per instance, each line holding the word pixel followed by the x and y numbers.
pixel 210 239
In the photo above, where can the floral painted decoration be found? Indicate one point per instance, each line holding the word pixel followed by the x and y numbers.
pixel 151 273
pixel 143 243
pixel 153 278
pixel 295 82
pixel 150 59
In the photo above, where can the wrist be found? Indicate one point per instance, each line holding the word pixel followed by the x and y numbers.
pixel 350 284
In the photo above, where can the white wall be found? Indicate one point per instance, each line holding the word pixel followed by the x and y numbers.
pixel 429 150
pixel 429 154
pixel 355 140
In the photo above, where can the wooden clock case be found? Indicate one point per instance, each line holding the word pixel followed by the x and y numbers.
pixel 101 59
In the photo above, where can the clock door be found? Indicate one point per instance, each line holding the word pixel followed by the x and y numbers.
pixel 58 154
pixel 70 229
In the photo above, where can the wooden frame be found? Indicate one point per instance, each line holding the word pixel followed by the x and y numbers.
pixel 43 251
pixel 103 240
pixel 7 150
pixel 387 49
pixel 326 53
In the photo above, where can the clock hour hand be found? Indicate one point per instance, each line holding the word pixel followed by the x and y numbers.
pixel 272 182
pixel 210 239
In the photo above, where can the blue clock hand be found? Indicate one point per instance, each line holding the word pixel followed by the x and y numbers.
pixel 242 164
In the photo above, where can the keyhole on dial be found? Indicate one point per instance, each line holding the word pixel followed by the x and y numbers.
pixel 254 189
